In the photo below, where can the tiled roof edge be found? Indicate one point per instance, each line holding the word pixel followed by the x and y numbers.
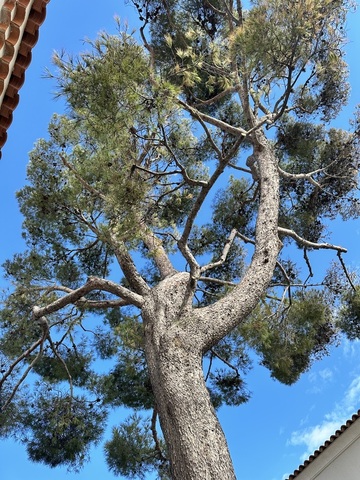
pixel 29 39
pixel 325 445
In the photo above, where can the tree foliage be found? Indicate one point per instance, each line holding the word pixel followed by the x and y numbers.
pixel 159 166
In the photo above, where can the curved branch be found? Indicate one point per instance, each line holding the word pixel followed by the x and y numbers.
pixel 219 96
pixel 62 361
pixel 83 301
pixel 155 436
pixel 183 241
pixel 92 284
pixel 183 172
pixel 306 243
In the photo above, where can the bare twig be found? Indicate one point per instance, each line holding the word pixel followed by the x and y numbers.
pixel 217 280
pixel 226 127
pixel 345 271
pixel 155 435
pixel 225 361
pixel 59 357
pixel 188 180
pixel 308 265
pixel 210 365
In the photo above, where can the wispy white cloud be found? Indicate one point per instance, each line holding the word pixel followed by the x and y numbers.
pixel 326 374
pixel 313 437
pixel 319 380
pixel 350 348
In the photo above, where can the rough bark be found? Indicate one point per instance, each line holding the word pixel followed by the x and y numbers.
pixel 177 335
pixel 196 444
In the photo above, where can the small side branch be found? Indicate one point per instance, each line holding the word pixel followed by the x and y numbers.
pixel 158 448
pixel 224 254
pixel 306 243
pixel 308 265
pixel 183 172
pixel 83 301
pixel 62 361
pixel 217 281
pixel 345 271
pixel 226 127
pixel 302 176
pixel 226 362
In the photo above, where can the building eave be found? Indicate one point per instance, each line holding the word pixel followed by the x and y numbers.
pixel 20 21
pixel 323 447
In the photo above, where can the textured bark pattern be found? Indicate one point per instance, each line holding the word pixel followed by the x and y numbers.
pixel 217 320
pixel 195 440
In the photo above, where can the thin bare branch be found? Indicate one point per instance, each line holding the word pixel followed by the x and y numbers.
pixel 83 301
pixel 217 280
pixel 246 239
pixel 307 260
pixel 345 271
pixel 226 127
pixel 188 180
pixel 306 243
pixel 62 361
pixel 210 365
pixel 224 253
pixel 283 271
pixel 217 355
pixel 217 97
pixel 155 435
pixel 302 176
pixel 241 169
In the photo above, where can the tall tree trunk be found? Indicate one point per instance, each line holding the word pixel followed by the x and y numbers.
pixel 196 443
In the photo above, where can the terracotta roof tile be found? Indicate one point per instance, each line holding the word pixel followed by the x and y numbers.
pixel 20 21
pixel 325 445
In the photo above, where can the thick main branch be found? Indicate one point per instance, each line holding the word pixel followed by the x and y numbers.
pixel 213 322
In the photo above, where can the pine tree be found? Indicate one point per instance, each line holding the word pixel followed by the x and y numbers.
pixel 179 158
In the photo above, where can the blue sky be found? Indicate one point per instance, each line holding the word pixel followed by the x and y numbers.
pixel 272 434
